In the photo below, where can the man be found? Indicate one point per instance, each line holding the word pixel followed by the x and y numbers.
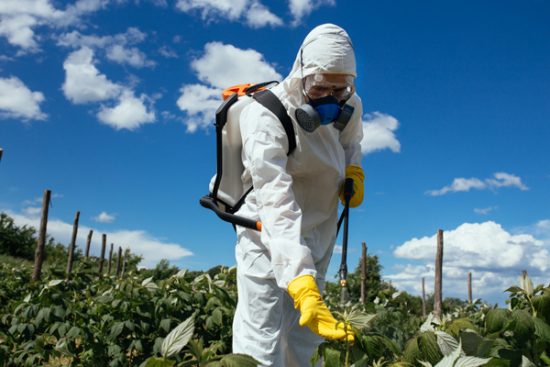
pixel 280 316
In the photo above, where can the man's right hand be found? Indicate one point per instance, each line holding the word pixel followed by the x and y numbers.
pixel 314 312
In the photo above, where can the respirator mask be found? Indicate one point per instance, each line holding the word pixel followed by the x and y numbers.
pixel 327 95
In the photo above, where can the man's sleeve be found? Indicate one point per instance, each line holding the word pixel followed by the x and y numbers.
pixel 265 146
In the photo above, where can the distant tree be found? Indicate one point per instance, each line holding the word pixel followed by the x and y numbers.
pixel 14 240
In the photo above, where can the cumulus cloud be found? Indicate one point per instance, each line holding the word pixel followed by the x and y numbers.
pixel 19 18
pixel 494 255
pixel 251 12
pixel 221 66
pixel 139 242
pixel 18 101
pixel 379 133
pixel 501 179
pixel 119 48
pixel 301 8
pixel 225 65
pixel 104 217
pixel 83 81
pixel 129 113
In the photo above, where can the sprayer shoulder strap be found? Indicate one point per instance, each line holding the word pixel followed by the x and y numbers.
pixel 270 101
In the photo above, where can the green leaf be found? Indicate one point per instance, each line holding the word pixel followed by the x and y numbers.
pixel 178 338
pixel 522 325
pixel 116 330
pixel 496 319
pixel 447 344
pixel 165 324
pixel 332 358
pixel 471 342
pixel 449 360
pixel 238 360
pixel 514 289
pixel 158 362
pixel 360 320
pixel 542 329
pixel 471 362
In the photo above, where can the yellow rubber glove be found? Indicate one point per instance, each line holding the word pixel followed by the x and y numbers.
pixel 314 312
pixel 358 176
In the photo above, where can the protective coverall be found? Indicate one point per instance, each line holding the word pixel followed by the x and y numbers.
pixel 296 199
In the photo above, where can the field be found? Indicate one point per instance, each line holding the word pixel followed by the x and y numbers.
pixel 170 317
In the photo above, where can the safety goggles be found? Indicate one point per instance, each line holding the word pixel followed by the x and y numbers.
pixel 340 86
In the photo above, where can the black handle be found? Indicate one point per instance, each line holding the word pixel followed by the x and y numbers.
pixel 209 203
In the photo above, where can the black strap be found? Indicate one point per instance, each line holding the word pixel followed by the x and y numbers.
pixel 270 101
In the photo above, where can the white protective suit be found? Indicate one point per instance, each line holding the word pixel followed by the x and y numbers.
pixel 296 199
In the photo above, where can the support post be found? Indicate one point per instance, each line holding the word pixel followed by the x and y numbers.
pixel 423 297
pixel 72 245
pixel 88 242
pixel 119 262
pixel 110 259
pixel 438 292
pixel 363 272
pixel 39 253
pixel 470 299
pixel 102 259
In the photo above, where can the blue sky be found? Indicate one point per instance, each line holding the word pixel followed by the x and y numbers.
pixel 110 103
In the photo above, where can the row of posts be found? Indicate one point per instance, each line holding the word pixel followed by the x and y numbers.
pixel 438 289
pixel 40 246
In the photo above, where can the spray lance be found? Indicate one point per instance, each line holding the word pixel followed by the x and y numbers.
pixel 343 272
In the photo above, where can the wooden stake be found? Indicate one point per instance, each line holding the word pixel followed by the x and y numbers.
pixel 88 242
pixel 72 245
pixel 423 297
pixel 124 262
pixel 110 259
pixel 438 293
pixel 39 253
pixel 119 262
pixel 470 287
pixel 102 259
pixel 363 272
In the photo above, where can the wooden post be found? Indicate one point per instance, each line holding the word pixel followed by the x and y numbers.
pixel 39 253
pixel 1 153
pixel 423 297
pixel 438 296
pixel 88 242
pixel 110 259
pixel 363 272
pixel 470 287
pixel 124 262
pixel 119 262
pixel 102 259
pixel 72 245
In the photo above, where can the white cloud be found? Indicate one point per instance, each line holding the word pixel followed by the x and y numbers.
pixel 129 113
pixel 83 81
pixel 131 56
pixel 18 31
pixel 199 102
pixel 32 211
pixel 252 12
pixel 484 211
pixel 18 101
pixel 301 8
pixel 139 242
pixel 224 65
pixel 494 256
pixel 18 18
pixel 501 179
pixel 259 16
pixel 379 133
pixel 118 48
pixel 220 67
pixel 104 217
